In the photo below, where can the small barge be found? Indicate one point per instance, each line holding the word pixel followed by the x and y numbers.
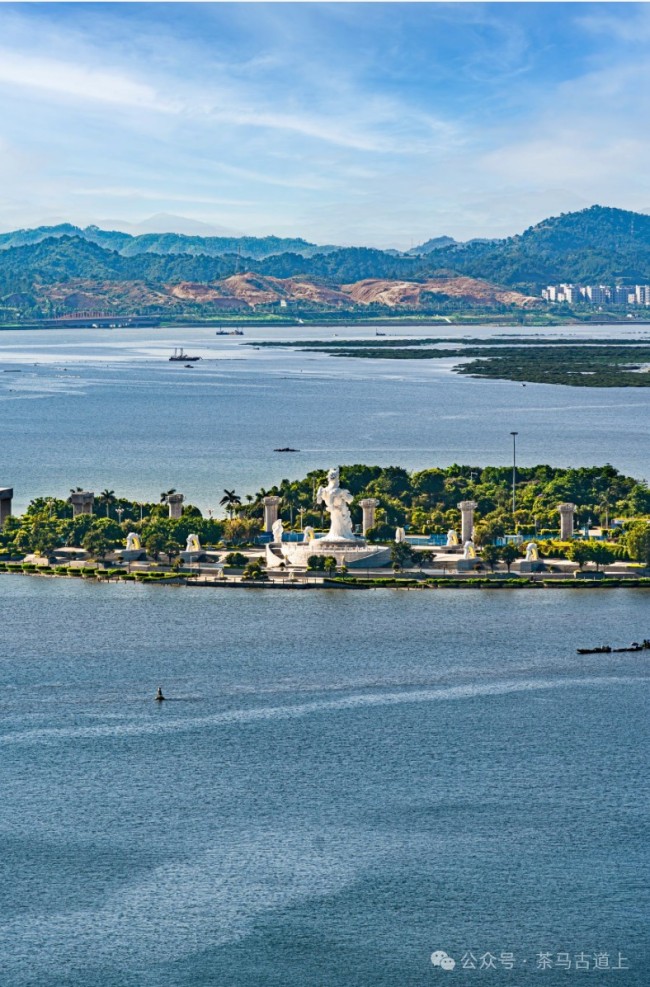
pixel 607 650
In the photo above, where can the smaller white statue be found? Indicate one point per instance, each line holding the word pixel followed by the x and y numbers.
pixel 469 552
pixel 400 535
pixel 193 544
pixel 309 534
pixel 277 528
pixel 133 542
pixel 532 553
pixel 452 537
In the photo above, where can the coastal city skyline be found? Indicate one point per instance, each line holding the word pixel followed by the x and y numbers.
pixel 374 124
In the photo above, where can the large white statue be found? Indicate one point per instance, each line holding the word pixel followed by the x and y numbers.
pixel 308 534
pixel 452 537
pixel 400 535
pixel 336 501
pixel 469 551
pixel 133 542
pixel 193 544
pixel 277 528
pixel 532 554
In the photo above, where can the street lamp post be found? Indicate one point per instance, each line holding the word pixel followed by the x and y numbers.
pixel 120 511
pixel 514 471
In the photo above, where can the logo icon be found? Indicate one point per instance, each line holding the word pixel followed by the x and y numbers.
pixel 441 959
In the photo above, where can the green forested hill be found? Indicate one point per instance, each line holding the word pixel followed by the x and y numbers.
pixel 65 257
pixel 60 259
pixel 596 245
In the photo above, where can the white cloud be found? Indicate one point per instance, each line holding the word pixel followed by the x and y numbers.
pixel 575 158
pixel 162 195
pixel 90 84
pixel 288 124
pixel 84 83
pixel 633 28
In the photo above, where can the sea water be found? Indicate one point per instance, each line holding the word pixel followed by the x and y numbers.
pixel 340 784
pixel 105 408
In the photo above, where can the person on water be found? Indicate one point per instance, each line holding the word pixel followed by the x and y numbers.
pixel 159 698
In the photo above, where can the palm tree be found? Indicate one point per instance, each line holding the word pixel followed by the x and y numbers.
pixel 107 497
pixel 230 501
pixel 291 499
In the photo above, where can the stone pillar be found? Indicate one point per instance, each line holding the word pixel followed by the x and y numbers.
pixel 271 510
pixel 175 502
pixel 467 508
pixel 6 495
pixel 369 506
pixel 82 502
pixel 566 521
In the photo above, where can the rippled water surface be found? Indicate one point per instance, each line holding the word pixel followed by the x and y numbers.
pixel 340 784
pixel 105 408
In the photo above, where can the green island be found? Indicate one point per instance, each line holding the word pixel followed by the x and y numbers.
pixel 609 547
pixel 575 363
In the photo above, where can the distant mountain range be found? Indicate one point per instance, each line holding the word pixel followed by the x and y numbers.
pixel 39 267
pixel 166 243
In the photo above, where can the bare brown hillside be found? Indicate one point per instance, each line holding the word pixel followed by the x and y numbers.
pixel 398 293
pixel 248 291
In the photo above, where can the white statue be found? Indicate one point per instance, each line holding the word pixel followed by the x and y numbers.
pixel 532 553
pixel 469 552
pixel 400 535
pixel 452 537
pixel 133 542
pixel 309 534
pixel 336 501
pixel 277 528
pixel 193 544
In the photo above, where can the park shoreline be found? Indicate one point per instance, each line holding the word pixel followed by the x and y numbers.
pixel 536 581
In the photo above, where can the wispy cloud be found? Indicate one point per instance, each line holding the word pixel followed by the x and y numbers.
pixel 375 123
pixel 88 84
pixel 82 82
pixel 162 195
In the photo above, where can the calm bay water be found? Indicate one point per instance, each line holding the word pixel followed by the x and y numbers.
pixel 105 408
pixel 340 784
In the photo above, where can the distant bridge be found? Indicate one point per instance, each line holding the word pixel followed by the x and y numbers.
pixel 90 318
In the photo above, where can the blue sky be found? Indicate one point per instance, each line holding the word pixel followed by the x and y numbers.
pixel 377 124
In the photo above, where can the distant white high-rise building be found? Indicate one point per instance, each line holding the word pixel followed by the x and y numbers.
pixel 620 294
pixel 571 293
pixel 597 294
